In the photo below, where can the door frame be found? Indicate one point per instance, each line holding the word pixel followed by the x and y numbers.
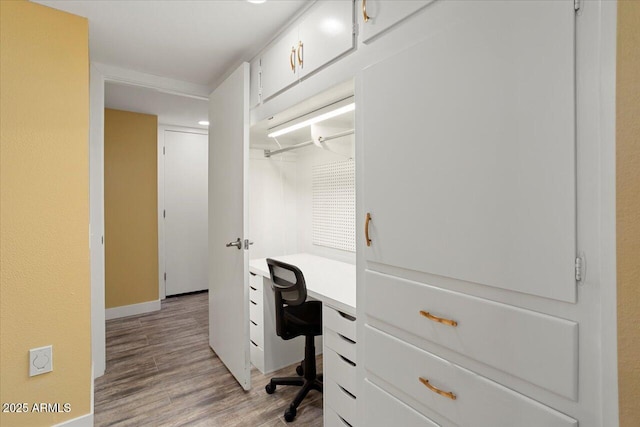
pixel 162 284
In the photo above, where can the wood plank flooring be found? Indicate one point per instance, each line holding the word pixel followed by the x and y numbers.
pixel 162 372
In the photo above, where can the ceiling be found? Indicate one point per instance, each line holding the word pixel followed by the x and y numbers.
pixel 196 42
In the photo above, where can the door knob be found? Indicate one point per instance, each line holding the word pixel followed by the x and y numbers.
pixel 237 244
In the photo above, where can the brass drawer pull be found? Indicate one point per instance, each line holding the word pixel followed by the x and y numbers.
pixel 366 229
pixel 448 394
pixel 438 319
pixel 300 53
pixel 292 59
pixel 365 17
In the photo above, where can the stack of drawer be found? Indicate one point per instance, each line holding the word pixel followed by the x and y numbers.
pixel 256 322
pixel 531 346
pixel 339 335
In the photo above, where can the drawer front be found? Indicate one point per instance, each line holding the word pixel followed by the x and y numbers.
pixel 331 419
pixel 257 356
pixel 340 344
pixel 255 283
pixel 342 323
pixel 535 347
pixel 256 332
pixel 383 410
pixel 341 370
pixel 340 401
pixel 479 401
pixel 255 310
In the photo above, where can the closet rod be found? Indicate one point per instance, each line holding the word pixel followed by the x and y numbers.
pixel 321 139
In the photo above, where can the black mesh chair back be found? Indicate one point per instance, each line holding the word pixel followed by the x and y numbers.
pixel 290 289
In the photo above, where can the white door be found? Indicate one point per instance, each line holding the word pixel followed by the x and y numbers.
pixel 470 152
pixel 228 220
pixel 185 216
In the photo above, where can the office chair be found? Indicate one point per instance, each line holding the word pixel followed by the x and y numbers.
pixel 295 317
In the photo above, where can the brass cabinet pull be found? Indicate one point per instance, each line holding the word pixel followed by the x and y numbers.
pixel 448 394
pixel 292 59
pixel 365 17
pixel 366 228
pixel 300 52
pixel 438 319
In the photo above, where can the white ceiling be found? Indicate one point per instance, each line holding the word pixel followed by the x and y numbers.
pixel 198 42
pixel 192 41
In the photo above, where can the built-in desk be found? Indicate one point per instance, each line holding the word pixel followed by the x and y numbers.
pixel 333 283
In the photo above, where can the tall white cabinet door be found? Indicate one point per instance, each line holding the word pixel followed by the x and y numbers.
pixel 279 68
pixel 384 14
pixel 325 33
pixel 228 224
pixel 469 150
pixel 186 219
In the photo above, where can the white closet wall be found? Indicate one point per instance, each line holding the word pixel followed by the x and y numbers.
pixel 272 204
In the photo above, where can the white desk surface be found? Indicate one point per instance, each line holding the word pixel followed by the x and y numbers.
pixel 332 282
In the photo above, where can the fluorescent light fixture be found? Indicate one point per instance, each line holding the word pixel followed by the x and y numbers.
pixel 203 123
pixel 317 119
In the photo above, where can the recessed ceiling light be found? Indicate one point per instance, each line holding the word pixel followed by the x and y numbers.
pixel 256 1
pixel 203 123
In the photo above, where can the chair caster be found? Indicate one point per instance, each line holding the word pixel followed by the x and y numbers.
pixel 270 388
pixel 290 414
pixel 299 370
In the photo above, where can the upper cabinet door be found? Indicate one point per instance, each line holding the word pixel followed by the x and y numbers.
pixel 470 150
pixel 382 15
pixel 279 68
pixel 325 34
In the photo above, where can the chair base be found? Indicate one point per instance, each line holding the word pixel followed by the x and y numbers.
pixel 309 380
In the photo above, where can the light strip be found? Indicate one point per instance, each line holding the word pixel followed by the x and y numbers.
pixel 317 119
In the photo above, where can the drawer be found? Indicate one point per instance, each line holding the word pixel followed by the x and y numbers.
pixel 255 283
pixel 340 370
pixel 479 401
pixel 255 310
pixel 257 356
pixel 339 343
pixel 340 400
pixel 256 332
pixel 331 419
pixel 383 410
pixel 536 347
pixel 338 321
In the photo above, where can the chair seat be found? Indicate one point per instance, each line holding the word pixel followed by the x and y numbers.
pixel 303 319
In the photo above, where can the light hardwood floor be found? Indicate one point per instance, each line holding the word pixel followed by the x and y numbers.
pixel 162 372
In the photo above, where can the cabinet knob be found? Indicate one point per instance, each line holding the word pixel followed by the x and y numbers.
pixel 292 59
pixel 366 228
pixel 365 17
pixel 300 53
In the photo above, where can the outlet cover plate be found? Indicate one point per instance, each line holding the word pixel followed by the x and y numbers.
pixel 40 360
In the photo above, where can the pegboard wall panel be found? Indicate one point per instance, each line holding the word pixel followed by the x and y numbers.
pixel 334 205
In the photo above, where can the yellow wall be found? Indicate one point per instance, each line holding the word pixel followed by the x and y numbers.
pixel 628 210
pixel 131 206
pixel 44 209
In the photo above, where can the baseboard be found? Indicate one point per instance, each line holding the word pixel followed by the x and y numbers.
pixel 84 420
pixel 131 310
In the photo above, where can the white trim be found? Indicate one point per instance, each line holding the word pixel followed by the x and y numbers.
pixel 83 420
pixel 132 310
pixel 162 288
pixel 608 257
pixel 150 81
pixel 96 219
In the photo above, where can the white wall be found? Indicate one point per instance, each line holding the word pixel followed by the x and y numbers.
pixel 272 204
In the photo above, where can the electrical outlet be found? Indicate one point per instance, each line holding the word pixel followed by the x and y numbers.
pixel 40 360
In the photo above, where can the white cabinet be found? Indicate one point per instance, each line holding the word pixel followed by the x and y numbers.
pixel 376 16
pixel 255 83
pixel 323 34
pixel 469 175
pixel 279 64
